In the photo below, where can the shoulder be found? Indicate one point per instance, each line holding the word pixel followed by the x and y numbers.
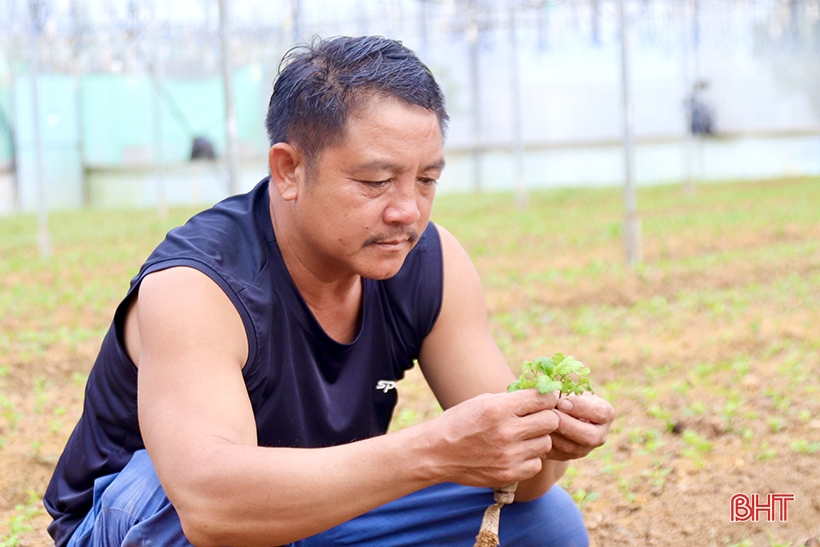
pixel 438 275
pixel 460 277
pixel 414 294
pixel 423 262
pixel 229 243
pixel 199 266
pixel 437 265
pixel 460 358
pixel 231 237
pixel 182 308
pixel 453 253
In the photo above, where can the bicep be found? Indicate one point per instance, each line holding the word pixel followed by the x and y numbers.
pixel 191 392
pixel 459 358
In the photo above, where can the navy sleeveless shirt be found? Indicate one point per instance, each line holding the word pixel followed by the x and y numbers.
pixel 306 389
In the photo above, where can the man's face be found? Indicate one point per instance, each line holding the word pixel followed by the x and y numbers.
pixel 364 204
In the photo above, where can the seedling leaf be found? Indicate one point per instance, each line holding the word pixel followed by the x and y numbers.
pixel 545 384
pixel 562 373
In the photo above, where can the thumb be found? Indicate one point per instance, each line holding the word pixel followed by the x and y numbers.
pixel 530 401
pixel 590 408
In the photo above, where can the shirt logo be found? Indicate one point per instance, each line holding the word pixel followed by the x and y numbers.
pixel 386 385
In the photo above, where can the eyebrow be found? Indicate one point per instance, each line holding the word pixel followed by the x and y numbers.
pixel 379 165
pixel 439 165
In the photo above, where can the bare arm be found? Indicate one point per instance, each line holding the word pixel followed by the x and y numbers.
pixel 199 430
pixel 460 360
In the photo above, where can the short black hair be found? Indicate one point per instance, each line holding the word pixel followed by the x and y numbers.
pixel 320 84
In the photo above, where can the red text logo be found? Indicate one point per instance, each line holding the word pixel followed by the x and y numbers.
pixel 774 509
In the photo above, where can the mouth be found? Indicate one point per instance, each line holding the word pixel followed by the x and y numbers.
pixel 393 243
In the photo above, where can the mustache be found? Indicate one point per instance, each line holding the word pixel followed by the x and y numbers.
pixel 411 235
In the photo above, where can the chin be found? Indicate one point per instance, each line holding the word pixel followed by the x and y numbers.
pixel 380 275
pixel 382 271
pixel 382 267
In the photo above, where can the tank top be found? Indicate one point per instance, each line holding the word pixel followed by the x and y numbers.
pixel 306 389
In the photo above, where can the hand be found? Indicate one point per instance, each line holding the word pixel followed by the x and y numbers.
pixel 584 424
pixel 494 440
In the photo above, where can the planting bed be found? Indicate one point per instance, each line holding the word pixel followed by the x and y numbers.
pixel 709 350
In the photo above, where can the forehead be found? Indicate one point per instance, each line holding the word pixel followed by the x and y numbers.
pixel 385 113
pixel 389 129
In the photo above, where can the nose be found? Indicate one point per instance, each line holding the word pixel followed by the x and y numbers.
pixel 403 207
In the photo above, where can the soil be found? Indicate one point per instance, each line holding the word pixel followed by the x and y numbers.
pixel 713 372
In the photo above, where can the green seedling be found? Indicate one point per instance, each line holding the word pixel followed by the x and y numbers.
pixel 802 446
pixel 582 497
pixel 19 524
pixel 777 424
pixel 625 488
pixel 569 476
pixel 561 373
pixel 35 449
pixel 9 412
pixel 41 393
pixel 700 443
pixel 558 373
pixel 766 453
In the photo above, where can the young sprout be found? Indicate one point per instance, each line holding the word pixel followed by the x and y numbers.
pixel 561 373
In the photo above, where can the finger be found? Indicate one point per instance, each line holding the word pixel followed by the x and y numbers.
pixel 529 401
pixel 586 434
pixel 527 470
pixel 590 408
pixel 560 456
pixel 537 446
pixel 564 449
pixel 538 424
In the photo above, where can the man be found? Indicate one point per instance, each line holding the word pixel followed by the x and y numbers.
pixel 269 332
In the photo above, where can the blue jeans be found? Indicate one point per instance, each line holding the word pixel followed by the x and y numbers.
pixel 131 509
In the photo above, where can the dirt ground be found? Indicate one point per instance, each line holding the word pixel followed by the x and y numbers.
pixel 710 354
pixel 652 487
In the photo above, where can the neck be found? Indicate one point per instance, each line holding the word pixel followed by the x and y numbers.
pixel 334 297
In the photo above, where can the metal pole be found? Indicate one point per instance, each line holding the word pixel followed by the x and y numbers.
pixel 294 12
pixel 79 38
pixel 423 28
pixel 162 202
pixel 518 137
pixel 475 96
pixel 696 41
pixel 43 235
pixel 632 223
pixel 230 109
pixel 689 181
pixel 794 20
pixel 595 8
pixel 16 202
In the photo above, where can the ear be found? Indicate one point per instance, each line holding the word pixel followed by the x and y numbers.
pixel 287 169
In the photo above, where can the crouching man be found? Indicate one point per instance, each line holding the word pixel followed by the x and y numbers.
pixel 243 393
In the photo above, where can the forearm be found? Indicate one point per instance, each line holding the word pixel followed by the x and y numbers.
pixel 245 495
pixel 537 486
pixel 235 494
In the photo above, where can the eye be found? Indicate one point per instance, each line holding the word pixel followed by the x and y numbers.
pixel 426 181
pixel 375 183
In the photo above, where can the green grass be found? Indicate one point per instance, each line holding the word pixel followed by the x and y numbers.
pixel 717 329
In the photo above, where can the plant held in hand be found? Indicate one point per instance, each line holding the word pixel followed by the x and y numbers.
pixel 561 373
